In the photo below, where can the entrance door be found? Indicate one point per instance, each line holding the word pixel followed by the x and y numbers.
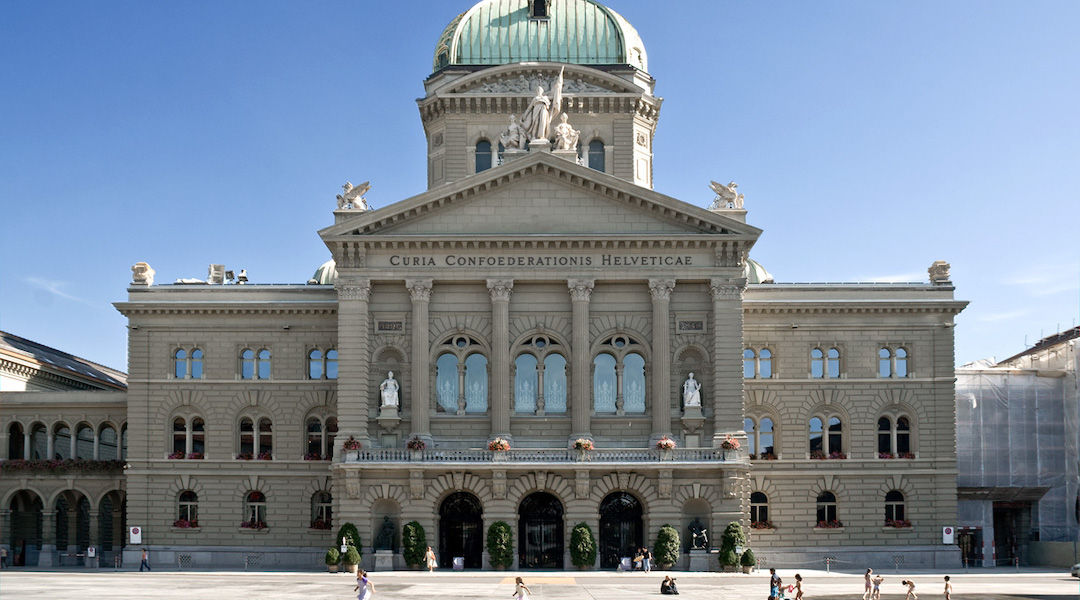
pixel 620 528
pixel 540 532
pixel 460 530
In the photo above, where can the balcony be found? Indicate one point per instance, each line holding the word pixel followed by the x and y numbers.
pixel 545 456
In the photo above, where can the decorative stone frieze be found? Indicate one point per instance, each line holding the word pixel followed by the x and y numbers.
pixel 416 485
pixel 356 289
pixel 581 484
pixel 727 288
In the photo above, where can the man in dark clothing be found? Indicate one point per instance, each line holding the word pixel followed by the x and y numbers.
pixel 774 585
pixel 668 586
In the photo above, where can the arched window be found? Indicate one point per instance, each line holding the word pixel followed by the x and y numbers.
pixel 187 510
pixel 894 437
pixel 254 510
pixel 596 155
pixel 84 442
pixel 894 510
pixel 247 364
pixel 321 510
pixel 483 155
pixel 322 365
pixel 188 365
pixel 198 438
pixel 188 438
pixel 61 442
pixel 461 379
pixel 757 364
pixel 264 364
pixel 540 377
pixel 179 446
pixel 619 377
pixel 320 438
pixel 824 364
pixel 331 364
pixel 759 437
pixel 247 438
pixel 826 510
pixel 16 442
pixel 826 443
pixel 759 511
pixel 255 365
pixel 266 439
pixel 108 444
pixel 892 362
pixel 39 442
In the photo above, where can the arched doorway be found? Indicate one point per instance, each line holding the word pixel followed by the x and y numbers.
pixel 620 528
pixel 461 525
pixel 540 532
pixel 26 528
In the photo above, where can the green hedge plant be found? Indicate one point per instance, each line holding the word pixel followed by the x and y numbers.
pixel 332 556
pixel 582 546
pixel 500 544
pixel 666 550
pixel 414 543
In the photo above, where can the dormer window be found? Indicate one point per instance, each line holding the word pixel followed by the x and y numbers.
pixel 538 9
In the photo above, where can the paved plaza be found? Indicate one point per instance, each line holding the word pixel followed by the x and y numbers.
pixel 82 584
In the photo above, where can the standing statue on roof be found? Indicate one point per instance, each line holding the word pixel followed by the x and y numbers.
pixel 537 118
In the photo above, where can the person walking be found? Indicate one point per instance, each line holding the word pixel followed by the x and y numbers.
pixel 145 561
pixel 429 560
pixel 866 584
pixel 646 560
pixel 774 584
pixel 948 588
pixel 363 585
pixel 798 587
pixel 521 591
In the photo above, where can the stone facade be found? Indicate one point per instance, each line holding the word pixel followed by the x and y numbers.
pixel 539 301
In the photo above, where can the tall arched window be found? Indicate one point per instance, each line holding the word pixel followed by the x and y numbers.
pixel 826 443
pixel 16 440
pixel 826 510
pixel 108 444
pixel 180 364
pixel 254 510
pixel 187 510
pixel 596 155
pixel 759 437
pixel 255 364
pixel 322 365
pixel 461 379
pixel 179 446
pixel 61 441
pixel 759 511
pixel 894 437
pixel 320 438
pixel 619 376
pixel 894 509
pixel 892 362
pixel 540 377
pixel 188 365
pixel 483 155
pixel 39 442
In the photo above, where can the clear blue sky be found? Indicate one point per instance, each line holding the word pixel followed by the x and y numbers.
pixel 870 139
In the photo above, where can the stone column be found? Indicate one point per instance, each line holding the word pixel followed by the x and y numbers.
pixel 94 530
pixel 354 339
pixel 727 332
pixel 661 357
pixel 26 445
pixel 50 444
pixel 48 538
pixel 500 291
pixel 580 384
pixel 420 292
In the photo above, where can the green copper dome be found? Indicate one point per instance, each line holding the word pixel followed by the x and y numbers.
pixel 502 32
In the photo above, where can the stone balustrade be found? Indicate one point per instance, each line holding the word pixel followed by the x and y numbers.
pixel 541 455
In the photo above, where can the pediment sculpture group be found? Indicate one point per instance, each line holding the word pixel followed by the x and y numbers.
pixel 536 123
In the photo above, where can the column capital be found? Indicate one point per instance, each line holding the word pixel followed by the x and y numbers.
pixel 419 289
pixel 661 289
pixel 500 289
pixel 353 289
pixel 580 289
pixel 727 288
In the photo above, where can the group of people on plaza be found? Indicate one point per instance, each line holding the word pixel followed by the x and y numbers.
pixel 643 560
pixel 872 587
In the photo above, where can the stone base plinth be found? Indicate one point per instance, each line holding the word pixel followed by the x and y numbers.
pixel 699 561
pixel 384 560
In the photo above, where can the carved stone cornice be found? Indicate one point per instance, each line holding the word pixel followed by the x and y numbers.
pixel 727 288
pixel 580 289
pixel 353 289
pixel 661 289
pixel 500 289
pixel 419 289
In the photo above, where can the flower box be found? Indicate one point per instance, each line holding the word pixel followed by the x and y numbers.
pixel 583 444
pixel 730 443
pixel 256 525
pixel 245 456
pixel 829 525
pixel 762 525
pixel 185 524
pixel 320 524
pixel 898 523
pixel 415 444
pixel 265 456
pixel 196 456
pixel 665 443
pixel 351 444
pixel 313 456
pixel 498 445
pixel 763 456
pixel 78 465
pixel 178 455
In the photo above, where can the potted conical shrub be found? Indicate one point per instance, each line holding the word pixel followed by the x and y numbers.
pixel 500 545
pixel 666 550
pixel 351 559
pixel 732 537
pixel 413 544
pixel 333 556
pixel 747 560
pixel 582 547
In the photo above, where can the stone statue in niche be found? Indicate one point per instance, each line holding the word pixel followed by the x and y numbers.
pixel 691 391
pixel 389 389
pixel 699 539
pixel 727 196
pixel 514 135
pixel 385 539
pixel 352 198
pixel 566 137
pixel 538 116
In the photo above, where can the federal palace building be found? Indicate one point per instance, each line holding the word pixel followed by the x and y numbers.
pixel 539 338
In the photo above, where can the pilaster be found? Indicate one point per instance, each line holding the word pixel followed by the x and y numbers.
pixel 580 385
pixel 500 291
pixel 354 350
pixel 661 357
pixel 420 293
pixel 727 334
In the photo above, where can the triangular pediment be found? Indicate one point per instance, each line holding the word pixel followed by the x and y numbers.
pixel 540 195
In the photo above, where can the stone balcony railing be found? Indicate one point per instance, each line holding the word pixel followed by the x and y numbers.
pixel 539 455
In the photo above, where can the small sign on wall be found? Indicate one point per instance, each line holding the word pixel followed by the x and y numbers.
pixel 135 535
pixel 948 535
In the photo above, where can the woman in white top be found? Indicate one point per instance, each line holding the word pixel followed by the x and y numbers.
pixel 429 559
